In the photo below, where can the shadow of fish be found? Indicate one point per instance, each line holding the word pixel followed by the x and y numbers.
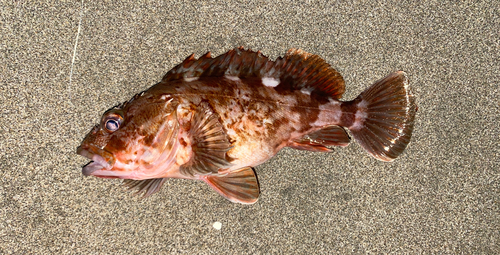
pixel 213 119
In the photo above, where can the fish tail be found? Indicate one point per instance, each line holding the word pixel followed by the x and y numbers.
pixel 381 118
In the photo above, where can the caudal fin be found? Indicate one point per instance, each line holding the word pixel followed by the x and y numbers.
pixel 381 118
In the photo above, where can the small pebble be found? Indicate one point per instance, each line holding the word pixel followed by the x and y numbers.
pixel 217 225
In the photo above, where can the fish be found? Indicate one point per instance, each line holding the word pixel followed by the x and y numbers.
pixel 216 119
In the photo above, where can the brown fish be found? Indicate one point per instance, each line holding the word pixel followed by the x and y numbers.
pixel 213 119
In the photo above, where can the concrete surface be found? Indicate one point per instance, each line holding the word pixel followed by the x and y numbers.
pixel 440 196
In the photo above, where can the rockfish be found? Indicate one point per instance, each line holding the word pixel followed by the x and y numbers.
pixel 214 119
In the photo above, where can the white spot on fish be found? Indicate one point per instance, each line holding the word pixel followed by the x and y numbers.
pixel 360 116
pixel 190 79
pixel 294 118
pixel 217 225
pixel 359 120
pixel 363 105
pixel 330 113
pixel 306 91
pixel 232 78
pixel 386 148
pixel 270 82
pixel 231 132
pixel 168 99
pixel 288 100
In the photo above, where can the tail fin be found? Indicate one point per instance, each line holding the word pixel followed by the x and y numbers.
pixel 381 118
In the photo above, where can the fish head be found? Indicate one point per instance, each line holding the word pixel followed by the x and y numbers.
pixel 137 140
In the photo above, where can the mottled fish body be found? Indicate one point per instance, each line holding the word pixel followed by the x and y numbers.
pixel 213 119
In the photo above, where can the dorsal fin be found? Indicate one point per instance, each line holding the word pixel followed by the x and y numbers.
pixel 296 70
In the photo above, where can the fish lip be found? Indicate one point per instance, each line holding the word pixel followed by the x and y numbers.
pixel 98 162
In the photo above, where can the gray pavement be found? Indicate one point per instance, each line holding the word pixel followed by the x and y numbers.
pixel 441 196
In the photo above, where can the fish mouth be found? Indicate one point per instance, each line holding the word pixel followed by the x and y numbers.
pixel 101 159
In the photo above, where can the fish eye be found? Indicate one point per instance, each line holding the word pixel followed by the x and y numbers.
pixel 112 125
pixel 112 121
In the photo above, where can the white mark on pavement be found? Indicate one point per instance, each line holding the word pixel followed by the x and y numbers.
pixel 74 53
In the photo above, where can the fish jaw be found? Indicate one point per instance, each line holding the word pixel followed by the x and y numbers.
pixel 106 165
pixel 100 166
pixel 101 159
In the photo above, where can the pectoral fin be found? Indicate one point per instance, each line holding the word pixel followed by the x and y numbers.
pixel 240 186
pixel 209 143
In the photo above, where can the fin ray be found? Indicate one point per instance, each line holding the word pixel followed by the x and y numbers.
pixel 388 110
pixel 296 70
pixel 318 140
pixel 149 186
pixel 209 143
pixel 240 186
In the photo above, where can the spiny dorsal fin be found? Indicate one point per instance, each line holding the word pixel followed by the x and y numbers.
pixel 149 186
pixel 296 70
pixel 240 186
pixel 209 143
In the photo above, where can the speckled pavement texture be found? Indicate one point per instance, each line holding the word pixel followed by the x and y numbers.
pixel 441 196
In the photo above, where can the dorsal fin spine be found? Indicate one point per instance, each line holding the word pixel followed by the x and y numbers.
pixel 296 70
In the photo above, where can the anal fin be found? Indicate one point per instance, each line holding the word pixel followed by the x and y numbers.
pixel 240 186
pixel 308 146
pixel 318 140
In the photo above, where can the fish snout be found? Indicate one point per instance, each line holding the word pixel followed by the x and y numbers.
pixel 101 159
